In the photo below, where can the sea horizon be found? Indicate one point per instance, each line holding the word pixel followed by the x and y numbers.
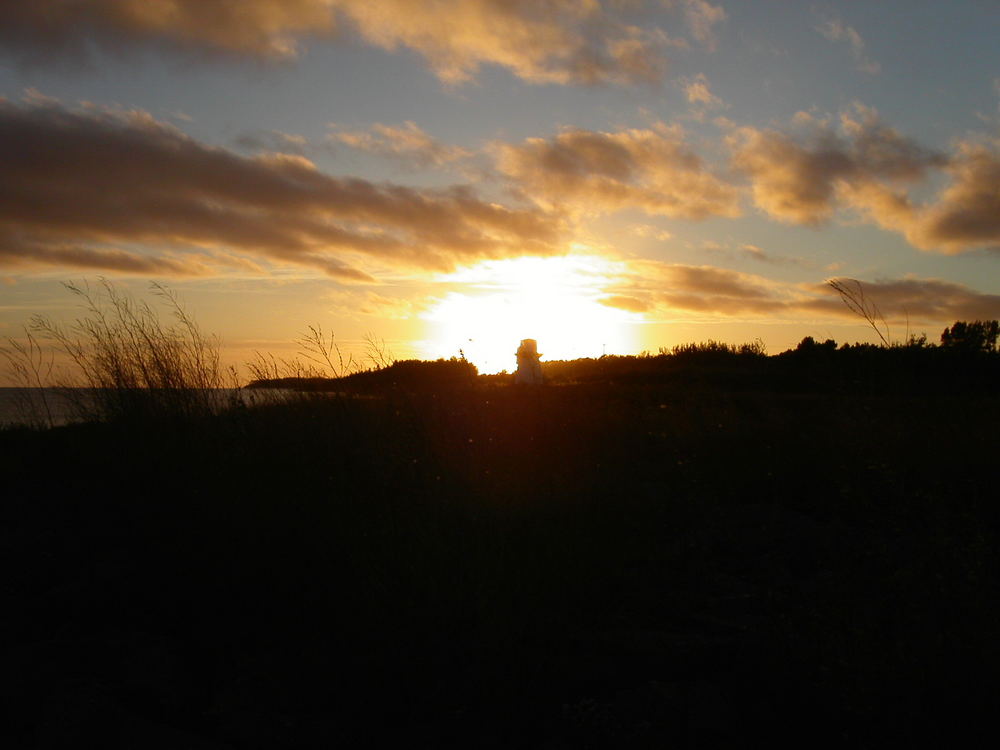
pixel 56 406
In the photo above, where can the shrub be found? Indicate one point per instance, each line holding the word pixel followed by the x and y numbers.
pixel 712 351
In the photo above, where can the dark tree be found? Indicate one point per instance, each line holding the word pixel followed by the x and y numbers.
pixel 809 345
pixel 977 336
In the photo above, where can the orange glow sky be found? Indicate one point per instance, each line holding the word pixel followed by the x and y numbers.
pixel 456 175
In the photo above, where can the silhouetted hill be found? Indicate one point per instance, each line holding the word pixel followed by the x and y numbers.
pixel 811 366
pixel 408 374
pixel 648 553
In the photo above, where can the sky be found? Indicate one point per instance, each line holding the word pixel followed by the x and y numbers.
pixel 451 176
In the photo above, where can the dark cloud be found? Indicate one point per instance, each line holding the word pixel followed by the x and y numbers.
pixel 661 289
pixel 95 181
pixel 967 212
pixel 15 253
pixel 964 216
pixel 42 31
pixel 664 290
pixel 914 300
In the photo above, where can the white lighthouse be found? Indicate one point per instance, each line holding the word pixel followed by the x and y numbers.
pixel 529 368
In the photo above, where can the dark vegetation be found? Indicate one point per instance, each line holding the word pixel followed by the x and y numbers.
pixel 700 548
pixel 409 375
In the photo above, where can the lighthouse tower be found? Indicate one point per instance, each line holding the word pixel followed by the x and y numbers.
pixel 529 369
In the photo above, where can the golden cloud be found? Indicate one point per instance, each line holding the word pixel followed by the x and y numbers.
pixel 407 144
pixel 665 290
pixel 550 41
pixel 869 167
pixel 80 184
pixel 651 169
pixel 805 179
pixel 629 304
pixel 697 91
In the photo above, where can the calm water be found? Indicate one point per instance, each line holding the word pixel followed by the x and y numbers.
pixel 59 406
pixel 35 406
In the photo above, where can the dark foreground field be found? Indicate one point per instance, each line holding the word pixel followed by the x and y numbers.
pixel 693 562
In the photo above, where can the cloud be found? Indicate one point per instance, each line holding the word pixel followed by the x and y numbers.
pixel 756 253
pixel 119 189
pixel 914 300
pixel 697 91
pixel 663 290
pixel 804 179
pixel 966 214
pixel 648 231
pixel 624 302
pixel 837 31
pixel 16 252
pixel 701 18
pixel 555 41
pixel 752 252
pixel 272 140
pixel 407 144
pixel 709 288
pixel 666 290
pixel 870 168
pixel 42 31
pixel 762 256
pixel 594 171
pixel 354 301
pixel 790 182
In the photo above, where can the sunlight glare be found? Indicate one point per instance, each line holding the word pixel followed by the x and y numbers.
pixel 554 300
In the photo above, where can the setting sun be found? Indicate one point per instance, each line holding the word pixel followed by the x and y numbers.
pixel 555 300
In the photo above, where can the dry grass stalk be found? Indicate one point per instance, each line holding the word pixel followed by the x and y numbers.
pixel 853 294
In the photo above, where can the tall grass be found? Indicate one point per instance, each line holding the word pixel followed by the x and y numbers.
pixel 29 369
pixel 320 357
pixel 127 363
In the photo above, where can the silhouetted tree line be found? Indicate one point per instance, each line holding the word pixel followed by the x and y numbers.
pixel 966 350
pixel 409 374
